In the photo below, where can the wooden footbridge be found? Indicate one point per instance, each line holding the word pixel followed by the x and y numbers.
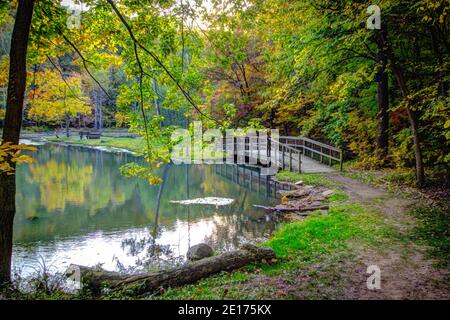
pixel 298 154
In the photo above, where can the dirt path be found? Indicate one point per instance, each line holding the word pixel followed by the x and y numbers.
pixel 406 271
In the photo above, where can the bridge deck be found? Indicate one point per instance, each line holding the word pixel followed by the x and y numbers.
pixel 312 166
pixel 308 165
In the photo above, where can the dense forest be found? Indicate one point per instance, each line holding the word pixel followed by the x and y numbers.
pixel 369 77
pixel 306 67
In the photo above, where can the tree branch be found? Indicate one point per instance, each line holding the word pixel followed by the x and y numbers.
pixel 158 61
pixel 63 79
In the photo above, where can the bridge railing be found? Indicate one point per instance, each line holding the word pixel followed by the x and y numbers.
pixel 315 150
pixel 286 156
pixel 266 150
pixel 286 152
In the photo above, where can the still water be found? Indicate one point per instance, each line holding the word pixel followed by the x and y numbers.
pixel 74 206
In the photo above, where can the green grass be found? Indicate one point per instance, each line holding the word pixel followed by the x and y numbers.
pixel 433 230
pixel 324 234
pixel 131 144
pixel 398 178
pixel 389 178
pixel 338 196
pixel 298 246
pixel 309 179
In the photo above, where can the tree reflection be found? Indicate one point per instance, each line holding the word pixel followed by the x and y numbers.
pixel 151 255
pixel 73 193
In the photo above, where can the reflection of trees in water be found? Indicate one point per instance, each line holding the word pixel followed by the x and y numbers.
pixel 83 191
pixel 232 227
pixel 151 255
pixel 236 227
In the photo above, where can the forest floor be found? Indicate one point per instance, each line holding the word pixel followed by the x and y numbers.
pixel 327 256
pixel 408 270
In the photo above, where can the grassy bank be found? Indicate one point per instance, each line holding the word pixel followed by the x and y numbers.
pixel 316 180
pixel 130 144
pixel 397 179
pixel 317 257
pixel 316 249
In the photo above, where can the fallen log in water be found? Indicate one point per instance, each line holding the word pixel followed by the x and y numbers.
pixel 150 282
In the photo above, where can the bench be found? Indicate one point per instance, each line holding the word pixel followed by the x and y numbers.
pixel 90 135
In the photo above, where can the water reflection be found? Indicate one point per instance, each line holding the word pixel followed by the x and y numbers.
pixel 73 206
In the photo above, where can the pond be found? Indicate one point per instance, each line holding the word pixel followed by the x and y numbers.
pixel 74 206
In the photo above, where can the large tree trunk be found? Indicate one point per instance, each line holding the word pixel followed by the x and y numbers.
pixel 190 273
pixel 11 131
pixel 413 119
pixel 383 102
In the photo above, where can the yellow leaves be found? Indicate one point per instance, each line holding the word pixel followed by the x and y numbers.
pixel 339 89
pixel 427 19
pixel 10 154
pixel 54 99
pixel 447 124
pixel 4 70
pixel 154 180
pixel 121 119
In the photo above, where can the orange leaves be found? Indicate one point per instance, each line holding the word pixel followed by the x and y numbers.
pixel 10 154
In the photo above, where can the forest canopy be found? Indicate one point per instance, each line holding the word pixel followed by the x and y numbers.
pixel 310 68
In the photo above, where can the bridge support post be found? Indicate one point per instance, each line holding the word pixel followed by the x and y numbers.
pixel 321 154
pixel 259 181
pixel 290 159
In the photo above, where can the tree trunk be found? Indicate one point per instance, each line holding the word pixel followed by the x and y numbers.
pixel 67 125
pixel 413 119
pixel 95 99
pixel 190 273
pixel 383 103
pixel 156 98
pixel 11 131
